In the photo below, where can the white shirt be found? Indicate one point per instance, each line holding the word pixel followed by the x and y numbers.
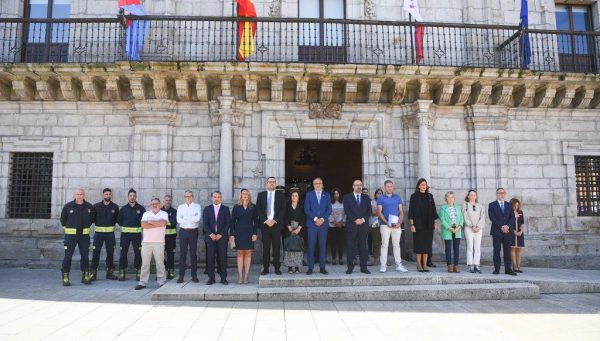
pixel 271 204
pixel 501 203
pixel 188 216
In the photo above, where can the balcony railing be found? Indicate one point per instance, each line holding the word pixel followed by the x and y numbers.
pixel 290 40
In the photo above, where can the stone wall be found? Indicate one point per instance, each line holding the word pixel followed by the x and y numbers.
pixel 486 129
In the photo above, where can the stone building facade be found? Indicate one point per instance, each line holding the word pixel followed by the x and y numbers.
pixel 163 127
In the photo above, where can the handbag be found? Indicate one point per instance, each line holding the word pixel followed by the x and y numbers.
pixel 293 243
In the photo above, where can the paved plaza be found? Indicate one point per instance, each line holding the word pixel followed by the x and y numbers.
pixel 34 306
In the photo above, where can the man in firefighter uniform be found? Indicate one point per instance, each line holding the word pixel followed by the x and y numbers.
pixel 76 218
pixel 130 220
pixel 107 213
pixel 170 235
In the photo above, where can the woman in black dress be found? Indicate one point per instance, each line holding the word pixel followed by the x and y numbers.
pixel 518 244
pixel 422 215
pixel 244 222
pixel 295 218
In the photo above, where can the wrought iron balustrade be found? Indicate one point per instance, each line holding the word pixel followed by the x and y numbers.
pixel 291 40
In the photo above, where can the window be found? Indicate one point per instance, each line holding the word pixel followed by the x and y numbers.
pixel 47 42
pixel 320 42
pixel 587 181
pixel 576 51
pixel 30 186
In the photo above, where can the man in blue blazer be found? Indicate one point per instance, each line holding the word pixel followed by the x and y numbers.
pixel 502 216
pixel 216 218
pixel 317 207
pixel 357 207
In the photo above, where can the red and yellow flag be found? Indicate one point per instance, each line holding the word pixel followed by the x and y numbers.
pixel 246 30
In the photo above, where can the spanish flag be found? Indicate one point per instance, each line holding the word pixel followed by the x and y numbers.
pixel 246 30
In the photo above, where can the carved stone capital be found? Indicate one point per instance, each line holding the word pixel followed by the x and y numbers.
pixel 425 119
pixel 277 90
pixel 375 92
pixel 153 112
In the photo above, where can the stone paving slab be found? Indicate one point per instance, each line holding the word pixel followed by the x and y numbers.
pixel 34 306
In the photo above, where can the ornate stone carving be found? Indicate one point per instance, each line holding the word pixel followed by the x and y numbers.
pixel 301 88
pixel 326 91
pixel 183 89
pixel 370 12
pixel 375 92
pixel 583 98
pixel 252 91
pixel 275 9
pixel 330 111
pixel 277 90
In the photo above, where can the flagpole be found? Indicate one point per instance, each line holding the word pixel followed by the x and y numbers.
pixel 412 47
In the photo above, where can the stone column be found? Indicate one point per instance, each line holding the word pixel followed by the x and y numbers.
pixel 425 120
pixel 226 117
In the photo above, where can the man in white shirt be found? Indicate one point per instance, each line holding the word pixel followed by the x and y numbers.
pixel 188 217
pixel 154 225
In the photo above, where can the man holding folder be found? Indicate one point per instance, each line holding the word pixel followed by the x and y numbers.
pixel 391 215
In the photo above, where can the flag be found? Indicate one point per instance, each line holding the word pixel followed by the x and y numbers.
pixel 524 43
pixel 412 7
pixel 135 30
pixel 246 29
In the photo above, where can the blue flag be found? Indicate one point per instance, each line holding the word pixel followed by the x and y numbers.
pixel 524 43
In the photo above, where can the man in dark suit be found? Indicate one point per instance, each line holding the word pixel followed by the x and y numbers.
pixel 317 207
pixel 270 206
pixel 216 218
pixel 500 213
pixel 357 207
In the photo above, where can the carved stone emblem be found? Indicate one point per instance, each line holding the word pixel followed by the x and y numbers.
pixel 329 111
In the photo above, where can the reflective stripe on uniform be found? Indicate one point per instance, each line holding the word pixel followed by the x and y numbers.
pixel 170 231
pixel 69 230
pixel 104 229
pixel 125 229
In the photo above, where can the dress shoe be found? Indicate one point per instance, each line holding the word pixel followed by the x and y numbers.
pixel 195 279
pixel 309 272
pixel 496 272
pixel 477 269
pixel 519 271
pixel 224 281
pixel 472 269
pixel 324 272
pixel 264 272
pixel 180 279
pixel 425 270
pixel 277 272
pixel 140 287
pixel 349 272
pixel 512 273
pixel 341 262
pixel 431 265
pixel 210 281
pixel 365 271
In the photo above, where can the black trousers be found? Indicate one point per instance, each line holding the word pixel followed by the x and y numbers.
pixel 83 243
pixel 503 242
pixel 99 239
pixel 337 240
pixel 271 237
pixel 188 241
pixel 357 235
pixel 135 239
pixel 217 249
pixel 170 246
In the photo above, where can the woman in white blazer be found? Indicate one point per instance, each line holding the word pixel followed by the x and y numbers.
pixel 473 228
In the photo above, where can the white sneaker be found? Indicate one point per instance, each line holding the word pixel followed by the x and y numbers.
pixel 382 269
pixel 401 268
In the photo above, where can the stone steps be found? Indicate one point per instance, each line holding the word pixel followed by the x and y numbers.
pixel 436 292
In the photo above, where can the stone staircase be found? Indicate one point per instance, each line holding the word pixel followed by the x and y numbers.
pixel 436 285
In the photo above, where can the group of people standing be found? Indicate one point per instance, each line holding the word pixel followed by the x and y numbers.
pixel 349 222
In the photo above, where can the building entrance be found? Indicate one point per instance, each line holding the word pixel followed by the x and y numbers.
pixel 337 162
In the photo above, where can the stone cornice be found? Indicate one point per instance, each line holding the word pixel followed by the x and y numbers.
pixel 391 85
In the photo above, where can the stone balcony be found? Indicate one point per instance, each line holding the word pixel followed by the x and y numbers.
pixel 328 87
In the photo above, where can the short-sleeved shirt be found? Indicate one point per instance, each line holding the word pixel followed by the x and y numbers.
pixel 156 234
pixel 390 205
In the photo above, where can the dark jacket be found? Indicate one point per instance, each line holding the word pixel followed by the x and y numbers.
pixel 354 211
pixel 222 223
pixel 78 216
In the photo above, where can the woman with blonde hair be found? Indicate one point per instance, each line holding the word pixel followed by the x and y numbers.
pixel 474 215
pixel 244 223
pixel 452 220
pixel 518 243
